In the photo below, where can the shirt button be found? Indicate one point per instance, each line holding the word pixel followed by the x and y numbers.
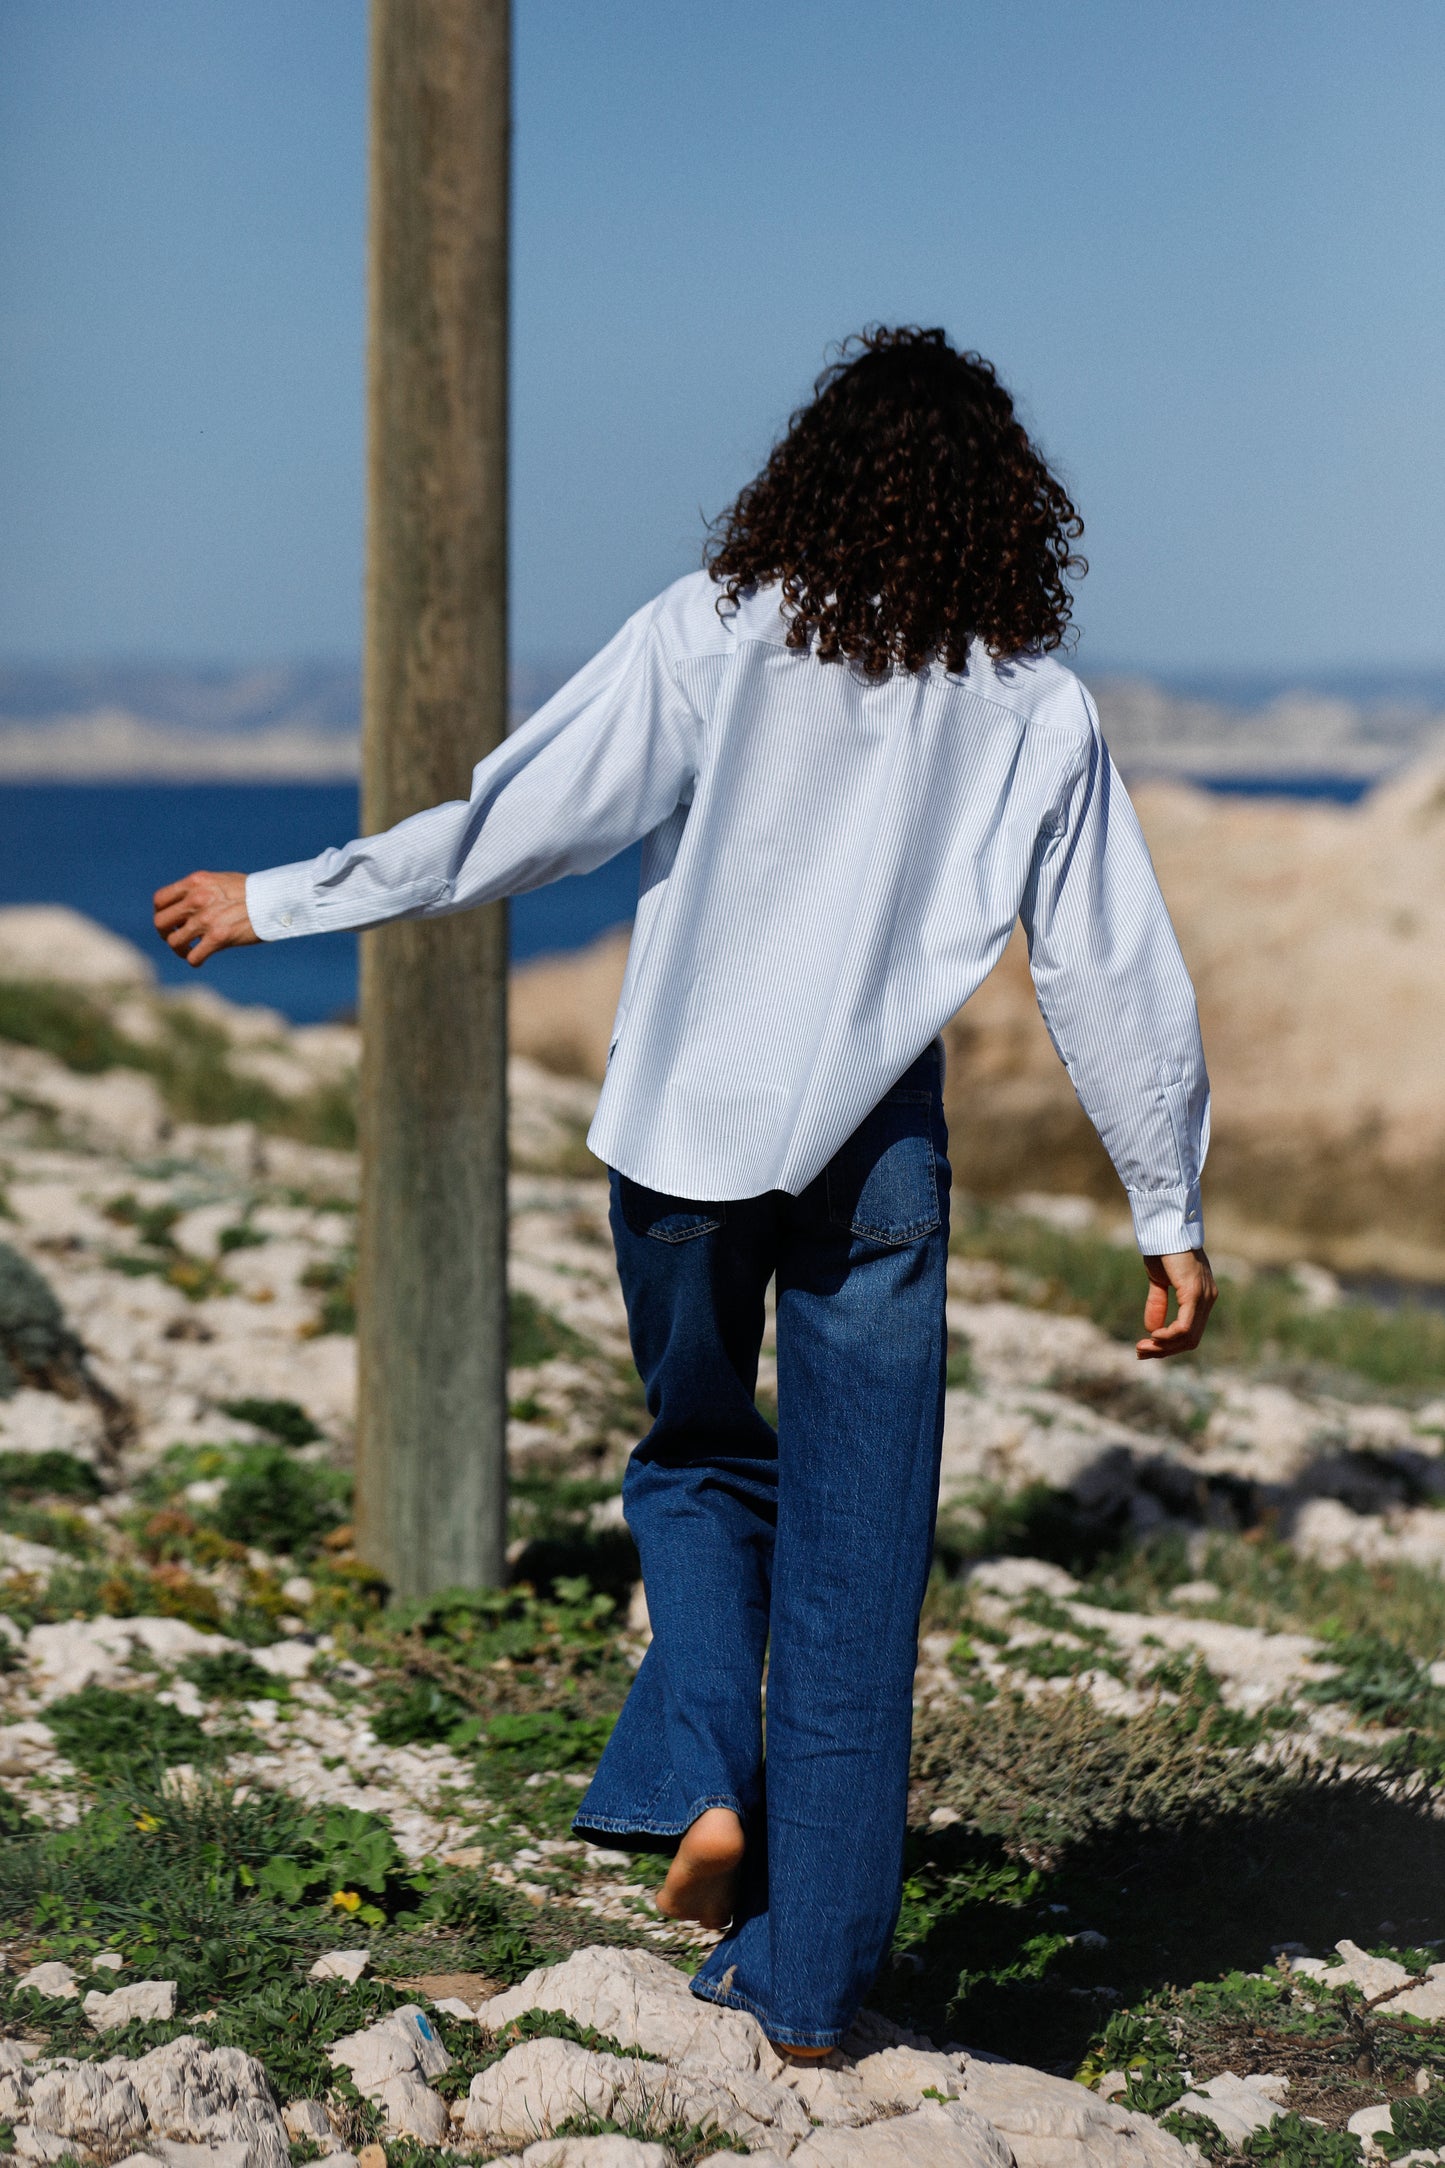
pixel 285 918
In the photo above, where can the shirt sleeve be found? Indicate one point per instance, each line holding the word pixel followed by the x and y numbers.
pixel 605 761
pixel 1118 1002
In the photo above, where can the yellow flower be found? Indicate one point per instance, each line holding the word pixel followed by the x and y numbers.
pixel 145 1823
pixel 346 1900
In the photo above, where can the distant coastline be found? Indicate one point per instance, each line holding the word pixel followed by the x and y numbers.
pixel 300 723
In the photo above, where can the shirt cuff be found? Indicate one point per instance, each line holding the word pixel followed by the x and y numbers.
pixel 1163 1226
pixel 280 903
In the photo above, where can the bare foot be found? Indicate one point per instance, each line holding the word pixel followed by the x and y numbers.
pixel 703 1876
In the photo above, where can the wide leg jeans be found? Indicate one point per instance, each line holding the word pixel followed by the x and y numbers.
pixel 807 1547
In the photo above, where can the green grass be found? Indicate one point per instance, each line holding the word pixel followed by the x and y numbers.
pixel 190 1061
pixel 103 1730
pixel 284 1419
pixel 1262 1320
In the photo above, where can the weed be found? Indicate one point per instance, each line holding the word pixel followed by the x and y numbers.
pixel 1263 1319
pixel 50 1474
pixel 272 1499
pixel 1381 1681
pixel 334 1279
pixel 232 1675
pixel 103 1730
pixel 536 1335
pixel 284 1419
pixel 37 1347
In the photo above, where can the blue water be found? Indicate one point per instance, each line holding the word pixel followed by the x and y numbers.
pixel 1333 789
pixel 104 848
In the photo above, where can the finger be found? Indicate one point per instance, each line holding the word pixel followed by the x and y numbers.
pixel 1181 1337
pixel 1156 1307
pixel 181 937
pixel 206 946
pixel 171 914
pixel 172 892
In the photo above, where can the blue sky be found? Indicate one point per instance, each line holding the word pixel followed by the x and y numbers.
pixel 1203 244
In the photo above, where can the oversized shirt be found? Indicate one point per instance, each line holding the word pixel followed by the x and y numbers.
pixel 831 866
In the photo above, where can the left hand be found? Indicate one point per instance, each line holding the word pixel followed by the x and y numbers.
pixel 1192 1278
pixel 203 913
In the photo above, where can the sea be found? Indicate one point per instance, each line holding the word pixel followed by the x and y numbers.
pixel 104 848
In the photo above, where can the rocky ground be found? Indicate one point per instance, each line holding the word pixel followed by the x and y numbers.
pixel 286 1871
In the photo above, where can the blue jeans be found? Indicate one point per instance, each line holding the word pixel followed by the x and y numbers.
pixel 810 1545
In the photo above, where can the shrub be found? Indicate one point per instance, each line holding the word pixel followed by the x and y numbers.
pixel 284 1419
pixel 272 1499
pixel 103 1730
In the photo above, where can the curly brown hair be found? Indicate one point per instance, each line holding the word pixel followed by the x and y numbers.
pixel 905 513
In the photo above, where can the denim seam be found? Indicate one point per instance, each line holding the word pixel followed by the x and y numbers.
pixel 793 2036
pixel 625 1825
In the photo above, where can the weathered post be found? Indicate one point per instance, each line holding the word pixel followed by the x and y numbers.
pixel 431 1468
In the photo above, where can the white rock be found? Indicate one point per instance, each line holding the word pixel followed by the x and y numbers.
pixel 206 2097
pixel 107 1961
pixel 1019 1576
pixel 1053 2123
pixel 1368 2123
pixel 611 2150
pixel 453 2006
pixel 25 1748
pixel 346 1965
pixel 52 1979
pixel 43 2145
pixel 413 2110
pixel 307 2119
pixel 404 2045
pixel 1426 2001
pixel 150 2000
pixel 833 2096
pixel 899 2077
pixel 1371 1975
pixel 640 2001
pixel 50 941
pixel 140 2160
pixel 538 2085
pixel 285 1659
pixel 933 2136
pixel 83 2100
pixel 1235 2106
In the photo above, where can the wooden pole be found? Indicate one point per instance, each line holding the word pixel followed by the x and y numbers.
pixel 431 1465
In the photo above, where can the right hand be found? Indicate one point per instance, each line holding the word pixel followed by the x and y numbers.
pixel 1189 1274
pixel 203 913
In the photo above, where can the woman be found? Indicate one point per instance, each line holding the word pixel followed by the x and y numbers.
pixel 855 763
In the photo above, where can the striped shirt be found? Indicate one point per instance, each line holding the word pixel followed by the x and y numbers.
pixel 831 866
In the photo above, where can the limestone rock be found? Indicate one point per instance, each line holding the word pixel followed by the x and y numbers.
pixel 404 2045
pixel 1426 2001
pixel 146 1999
pixel 346 1965
pixel 832 2096
pixel 52 1979
pixel 933 2136
pixel 640 2001
pixel 82 2100
pixel 611 2150
pixel 899 2077
pixel 307 2119
pixel 538 2085
pixel 195 2095
pixel 1237 2106
pixel 413 2110
pixel 1368 2123
pixel 1371 1975
pixel 50 941
pixel 1051 2122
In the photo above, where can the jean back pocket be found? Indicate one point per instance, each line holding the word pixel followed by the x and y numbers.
pixel 883 1184
pixel 666 1219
